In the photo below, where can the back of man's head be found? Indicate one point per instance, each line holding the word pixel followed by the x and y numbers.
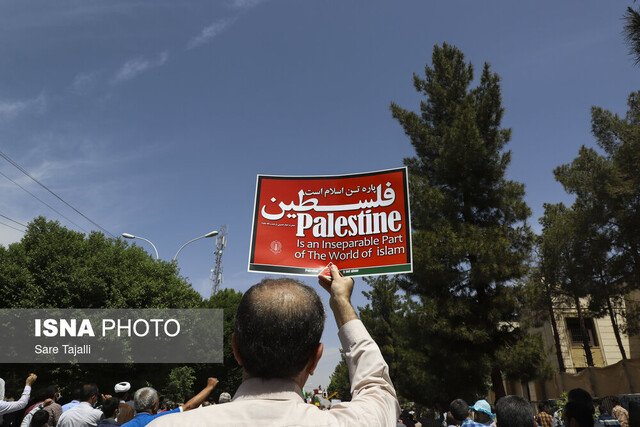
pixel 579 395
pixel 278 327
pixel 582 396
pixel 109 406
pixel 459 410
pixel 578 412
pixel 514 411
pixel 88 391
pixel 145 399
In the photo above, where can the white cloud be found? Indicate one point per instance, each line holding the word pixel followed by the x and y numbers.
pixel 245 4
pixel 83 82
pixel 137 66
pixel 210 32
pixel 11 109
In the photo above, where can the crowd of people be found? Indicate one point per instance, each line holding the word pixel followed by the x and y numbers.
pixel 579 410
pixel 88 407
pixel 276 341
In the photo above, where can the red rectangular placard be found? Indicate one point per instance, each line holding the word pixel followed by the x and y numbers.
pixel 360 222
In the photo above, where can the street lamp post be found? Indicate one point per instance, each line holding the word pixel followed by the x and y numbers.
pixel 131 236
pixel 206 236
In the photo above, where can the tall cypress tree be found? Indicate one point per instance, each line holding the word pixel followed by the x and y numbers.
pixel 471 243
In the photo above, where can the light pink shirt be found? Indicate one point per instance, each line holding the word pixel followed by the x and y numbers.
pixel 279 402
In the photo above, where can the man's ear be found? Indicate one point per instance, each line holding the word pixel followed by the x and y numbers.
pixel 234 346
pixel 315 358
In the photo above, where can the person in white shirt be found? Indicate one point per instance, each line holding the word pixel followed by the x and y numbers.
pixel 278 327
pixel 6 407
pixel 83 414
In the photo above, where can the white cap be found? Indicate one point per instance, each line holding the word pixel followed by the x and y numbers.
pixel 122 387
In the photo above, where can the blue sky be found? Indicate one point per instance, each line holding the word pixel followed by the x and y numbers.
pixel 154 117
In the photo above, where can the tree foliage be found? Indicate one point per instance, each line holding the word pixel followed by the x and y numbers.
pixel 179 385
pixel 231 376
pixel 53 267
pixel 605 257
pixel 340 382
pixel 632 32
pixel 470 243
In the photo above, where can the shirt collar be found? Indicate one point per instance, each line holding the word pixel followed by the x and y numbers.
pixel 268 389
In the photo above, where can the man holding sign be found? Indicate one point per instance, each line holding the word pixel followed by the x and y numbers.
pixel 277 342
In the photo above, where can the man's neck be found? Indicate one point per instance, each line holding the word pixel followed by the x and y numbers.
pixel 300 379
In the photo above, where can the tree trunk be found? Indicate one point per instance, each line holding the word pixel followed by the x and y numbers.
pixel 556 337
pixel 498 385
pixel 616 330
pixel 584 333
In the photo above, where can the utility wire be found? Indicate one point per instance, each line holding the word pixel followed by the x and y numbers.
pixel 13 220
pixel 10 226
pixel 21 169
pixel 43 202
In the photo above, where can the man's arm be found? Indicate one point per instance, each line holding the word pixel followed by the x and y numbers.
pixel 374 400
pixel 6 407
pixel 196 400
pixel 340 290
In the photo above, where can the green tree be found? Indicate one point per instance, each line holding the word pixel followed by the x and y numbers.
pixel 542 296
pixel 389 317
pixel 340 380
pixel 565 260
pixel 179 384
pixel 470 243
pixel 54 267
pixel 632 32
pixel 230 374
pixel 607 190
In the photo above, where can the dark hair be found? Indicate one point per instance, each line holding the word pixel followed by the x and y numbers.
pixel 44 393
pixel 606 404
pixel 580 411
pixel 579 395
pixel 514 411
pixel 76 394
pixel 88 391
pixel 109 406
pixel 39 419
pixel 582 396
pixel 122 395
pixel 459 410
pixel 482 417
pixel 278 327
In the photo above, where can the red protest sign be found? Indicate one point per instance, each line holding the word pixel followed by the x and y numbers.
pixel 359 222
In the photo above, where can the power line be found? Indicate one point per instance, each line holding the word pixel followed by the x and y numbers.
pixel 21 169
pixel 10 226
pixel 13 220
pixel 43 202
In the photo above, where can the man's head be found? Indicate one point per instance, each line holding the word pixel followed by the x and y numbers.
pixel 482 412
pixel 514 411
pixel 110 407
pixel 122 390
pixel 278 328
pixel 585 401
pixel 146 400
pixel 459 410
pixel 89 393
pixel 578 413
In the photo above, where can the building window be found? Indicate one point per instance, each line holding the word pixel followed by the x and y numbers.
pixel 573 326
